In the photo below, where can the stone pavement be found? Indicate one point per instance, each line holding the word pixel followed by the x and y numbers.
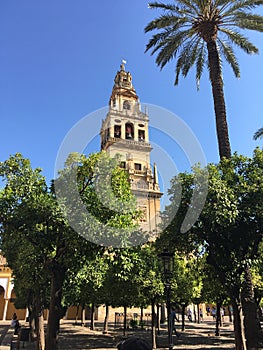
pixel 195 337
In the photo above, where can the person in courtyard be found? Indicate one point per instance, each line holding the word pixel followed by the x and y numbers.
pixel 214 313
pixel 172 320
pixel 15 323
pixel 134 343
pixel 201 315
pixel 189 315
pixel 222 314
pixel 208 311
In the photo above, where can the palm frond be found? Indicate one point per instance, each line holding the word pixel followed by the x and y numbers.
pixel 156 40
pixel 170 48
pixel 192 55
pixel 168 7
pixel 187 57
pixel 200 62
pixel 189 6
pixel 219 3
pixel 162 22
pixel 222 5
pixel 258 134
pixel 240 41
pixel 248 21
pixel 230 57
pixel 241 5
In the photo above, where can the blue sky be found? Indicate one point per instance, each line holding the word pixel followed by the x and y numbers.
pixel 58 60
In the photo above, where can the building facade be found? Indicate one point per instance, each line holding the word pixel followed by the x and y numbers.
pixel 7 295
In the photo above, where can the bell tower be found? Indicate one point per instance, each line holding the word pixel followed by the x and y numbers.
pixel 125 132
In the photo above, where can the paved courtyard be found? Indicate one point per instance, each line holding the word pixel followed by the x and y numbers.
pixel 196 336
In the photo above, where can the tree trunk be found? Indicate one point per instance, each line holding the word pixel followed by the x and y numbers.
pixel 198 314
pixel 239 329
pixel 40 332
pixel 31 320
pixel 219 99
pixel 195 319
pixel 83 315
pixel 39 323
pixel 162 320
pixel 183 316
pixel 77 315
pixel 57 279
pixel 92 324
pixel 153 326
pixel 141 321
pixel 249 307
pixel 106 319
pixel 218 317
pixel 125 320
pixel 158 318
pixel 230 313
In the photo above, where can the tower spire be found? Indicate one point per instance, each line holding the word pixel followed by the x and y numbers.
pixel 123 65
pixel 123 88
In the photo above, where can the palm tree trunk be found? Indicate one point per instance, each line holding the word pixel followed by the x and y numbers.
pixel 219 100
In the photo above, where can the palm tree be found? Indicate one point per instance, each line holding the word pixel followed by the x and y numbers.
pixel 199 32
pixel 258 134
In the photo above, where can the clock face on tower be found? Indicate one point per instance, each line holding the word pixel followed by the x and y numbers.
pixel 126 105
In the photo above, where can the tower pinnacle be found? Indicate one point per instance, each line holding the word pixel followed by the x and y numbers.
pixel 123 65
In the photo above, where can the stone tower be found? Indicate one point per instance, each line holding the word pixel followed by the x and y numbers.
pixel 125 132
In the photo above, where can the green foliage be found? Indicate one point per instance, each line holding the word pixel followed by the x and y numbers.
pixel 95 196
pixel 38 240
pixel 229 229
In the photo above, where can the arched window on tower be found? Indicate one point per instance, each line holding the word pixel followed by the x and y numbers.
pixel 141 135
pixel 129 132
pixel 117 131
